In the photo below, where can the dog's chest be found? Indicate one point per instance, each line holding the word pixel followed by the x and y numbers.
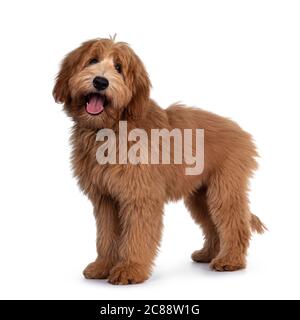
pixel 91 175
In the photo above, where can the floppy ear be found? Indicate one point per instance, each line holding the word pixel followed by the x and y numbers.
pixel 140 90
pixel 61 90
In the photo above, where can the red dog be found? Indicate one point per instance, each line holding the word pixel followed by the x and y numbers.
pixel 103 82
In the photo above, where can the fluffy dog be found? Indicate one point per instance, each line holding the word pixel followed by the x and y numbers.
pixel 103 82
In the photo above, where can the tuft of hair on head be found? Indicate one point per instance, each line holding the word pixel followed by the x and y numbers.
pixel 113 38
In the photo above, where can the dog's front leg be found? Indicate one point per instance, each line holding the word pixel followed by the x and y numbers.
pixel 107 222
pixel 141 226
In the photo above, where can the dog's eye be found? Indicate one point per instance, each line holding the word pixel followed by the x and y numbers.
pixel 93 61
pixel 118 67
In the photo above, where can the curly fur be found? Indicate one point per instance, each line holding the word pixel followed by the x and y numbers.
pixel 128 199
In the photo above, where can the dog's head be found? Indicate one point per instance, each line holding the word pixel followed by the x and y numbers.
pixel 102 81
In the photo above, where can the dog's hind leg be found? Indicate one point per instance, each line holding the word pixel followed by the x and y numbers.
pixel 197 204
pixel 228 206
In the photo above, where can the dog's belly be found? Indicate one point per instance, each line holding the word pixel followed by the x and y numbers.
pixel 178 185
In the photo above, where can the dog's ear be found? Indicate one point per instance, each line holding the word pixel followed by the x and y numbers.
pixel 61 90
pixel 140 89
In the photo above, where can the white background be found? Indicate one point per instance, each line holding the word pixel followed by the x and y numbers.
pixel 240 59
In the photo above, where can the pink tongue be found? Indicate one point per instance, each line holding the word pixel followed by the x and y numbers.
pixel 95 105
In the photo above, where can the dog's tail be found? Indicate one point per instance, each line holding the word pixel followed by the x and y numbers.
pixel 257 225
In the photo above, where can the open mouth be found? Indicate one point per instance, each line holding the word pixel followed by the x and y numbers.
pixel 95 103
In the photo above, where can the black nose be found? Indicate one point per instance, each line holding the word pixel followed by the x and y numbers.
pixel 100 83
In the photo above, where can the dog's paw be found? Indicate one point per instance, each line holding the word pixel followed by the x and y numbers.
pixel 203 256
pixel 96 270
pixel 127 274
pixel 225 264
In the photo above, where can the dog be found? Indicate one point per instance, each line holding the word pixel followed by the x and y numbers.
pixel 104 82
